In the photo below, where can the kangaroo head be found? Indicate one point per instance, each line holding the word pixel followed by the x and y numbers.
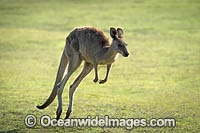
pixel 118 44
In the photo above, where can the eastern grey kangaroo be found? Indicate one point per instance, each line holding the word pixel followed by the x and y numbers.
pixel 90 45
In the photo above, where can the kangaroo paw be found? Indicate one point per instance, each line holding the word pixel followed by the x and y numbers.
pixel 95 80
pixel 102 81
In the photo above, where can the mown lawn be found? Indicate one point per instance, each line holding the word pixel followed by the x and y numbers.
pixel 160 79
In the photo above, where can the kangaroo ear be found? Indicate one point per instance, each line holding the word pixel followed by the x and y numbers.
pixel 113 32
pixel 120 32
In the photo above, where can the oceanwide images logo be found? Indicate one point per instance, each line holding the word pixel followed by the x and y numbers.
pixel 128 123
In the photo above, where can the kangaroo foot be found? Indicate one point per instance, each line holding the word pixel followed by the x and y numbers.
pixel 58 113
pixel 68 114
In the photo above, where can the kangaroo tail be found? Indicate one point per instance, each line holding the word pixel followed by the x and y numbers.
pixel 60 73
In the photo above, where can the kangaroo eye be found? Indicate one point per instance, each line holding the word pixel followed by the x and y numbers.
pixel 120 46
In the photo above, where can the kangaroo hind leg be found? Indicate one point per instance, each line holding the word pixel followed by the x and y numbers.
pixel 74 63
pixel 86 70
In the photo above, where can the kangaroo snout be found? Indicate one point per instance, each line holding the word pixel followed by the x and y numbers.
pixel 125 54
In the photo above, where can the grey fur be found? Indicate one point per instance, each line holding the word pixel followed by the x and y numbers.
pixel 90 45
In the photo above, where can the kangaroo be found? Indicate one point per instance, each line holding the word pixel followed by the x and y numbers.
pixel 90 45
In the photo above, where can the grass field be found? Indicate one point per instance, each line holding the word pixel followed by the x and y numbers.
pixel 160 79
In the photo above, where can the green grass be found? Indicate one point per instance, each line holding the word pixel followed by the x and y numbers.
pixel 160 79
